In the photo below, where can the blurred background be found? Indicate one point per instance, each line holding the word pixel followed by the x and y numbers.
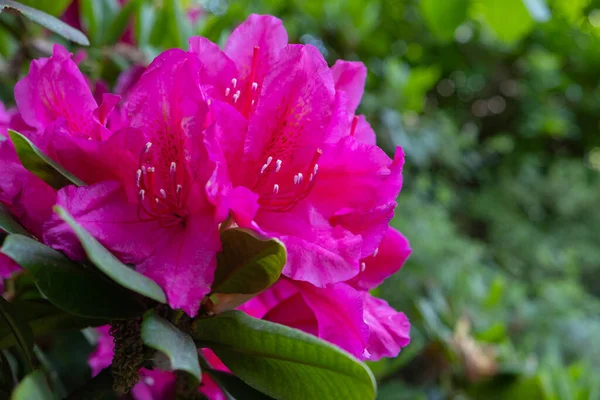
pixel 497 106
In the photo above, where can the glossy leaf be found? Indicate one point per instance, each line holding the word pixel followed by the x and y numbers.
pixel 99 387
pixel 305 367
pixel 247 264
pixel 8 223
pixel 38 163
pixel 47 21
pixel 444 16
pixel 18 329
pixel 45 318
pixel 110 265
pixel 74 288
pixel 33 386
pixel 179 347
pixel 235 386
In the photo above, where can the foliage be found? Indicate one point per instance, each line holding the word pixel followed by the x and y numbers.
pixel 495 104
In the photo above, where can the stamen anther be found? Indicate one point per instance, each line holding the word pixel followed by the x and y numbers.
pixel 234 82
pixel 142 194
pixel 138 177
pixel 148 145
pixel 163 193
pixel 227 91
pixel 278 165
pixel 173 167
pixel 254 85
pixel 275 188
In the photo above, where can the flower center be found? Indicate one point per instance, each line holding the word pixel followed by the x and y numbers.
pixel 162 188
pixel 243 95
pixel 281 187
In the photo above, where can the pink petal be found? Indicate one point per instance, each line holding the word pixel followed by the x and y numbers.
pixel 350 77
pixel 317 252
pixel 339 313
pixel 154 385
pixel 103 210
pixel 363 172
pixel 295 313
pixel 363 131
pixel 216 69
pixel 389 329
pixel 184 263
pixel 7 269
pixel 28 197
pixel 389 257
pixel 293 111
pixel 102 355
pixel 55 88
pixel 262 31
pixel 370 224
pixel 109 101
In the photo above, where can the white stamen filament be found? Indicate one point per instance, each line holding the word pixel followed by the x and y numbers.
pixel 236 96
pixel 275 188
pixel 142 194
pixel 300 177
pixel 269 160
pixel 278 165
pixel 147 149
pixel 363 266
pixel 295 179
pixel 315 169
pixel 262 169
pixel 178 188
pixel 375 252
pixel 234 82
pixel 138 177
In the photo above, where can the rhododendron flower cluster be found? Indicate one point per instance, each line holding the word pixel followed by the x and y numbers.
pixel 262 135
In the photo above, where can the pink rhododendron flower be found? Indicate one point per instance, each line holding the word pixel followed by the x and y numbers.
pixel 157 216
pixel 314 176
pixel 154 384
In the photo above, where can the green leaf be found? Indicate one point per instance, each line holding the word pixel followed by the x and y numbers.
pixel 235 386
pixel 47 21
pixel 178 346
pixel 34 386
pixel 442 17
pixel 19 329
pixel 96 16
pixel 8 223
pixel 35 161
pixel 45 318
pixel 247 264
pixel 54 7
pixel 497 12
pixel 119 23
pixel 178 25
pixel 283 362
pixel 74 288
pixel 110 265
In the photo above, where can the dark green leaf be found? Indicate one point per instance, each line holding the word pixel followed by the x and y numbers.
pixel 110 265
pixel 98 388
pixel 47 21
pixel 78 290
pixel 178 346
pixel 44 318
pixel 305 367
pixel 19 330
pixel 34 386
pixel 7 379
pixel 8 223
pixel 444 16
pixel 247 264
pixel 35 161
pixel 235 386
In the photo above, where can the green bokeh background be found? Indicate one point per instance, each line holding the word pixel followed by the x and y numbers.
pixel 497 106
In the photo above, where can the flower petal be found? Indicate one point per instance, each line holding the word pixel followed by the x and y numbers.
pixel 389 257
pixel 389 330
pixel 350 77
pixel 263 31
